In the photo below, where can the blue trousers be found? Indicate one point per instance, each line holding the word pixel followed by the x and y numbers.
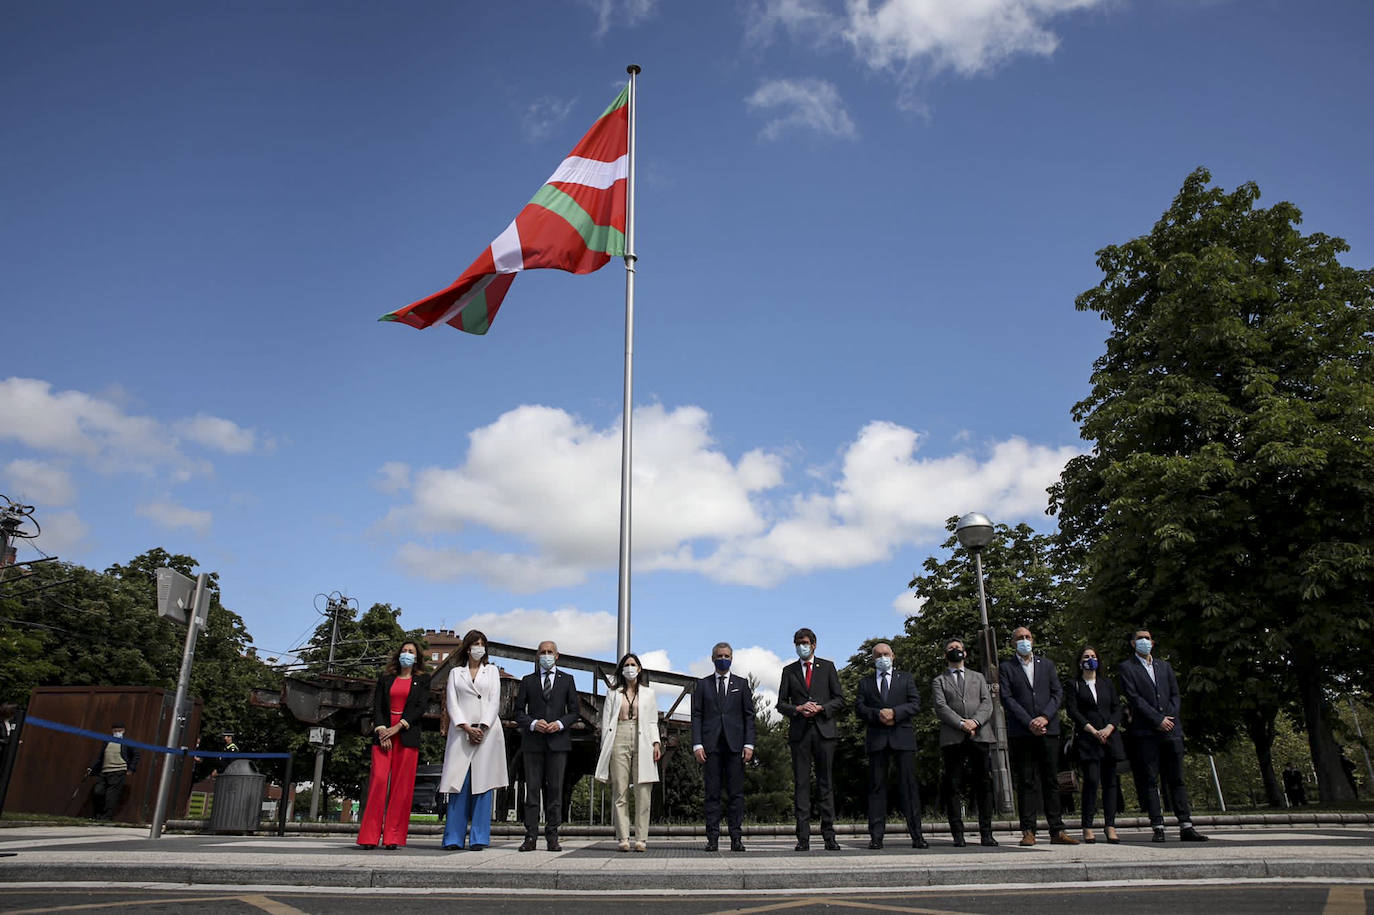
pixel 463 808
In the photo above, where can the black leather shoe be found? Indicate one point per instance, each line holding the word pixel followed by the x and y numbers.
pixel 391 848
pixel 1158 836
pixel 920 842
pixel 987 840
pixel 364 847
pixel 800 846
pixel 528 844
pixel 959 841
pixel 711 845
pixel 875 844
pixel 832 845
pixel 475 847
pixel 553 845
pixel 453 848
pixel 1189 834
pixel 737 845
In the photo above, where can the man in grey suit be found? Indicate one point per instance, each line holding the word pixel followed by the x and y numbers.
pixel 963 703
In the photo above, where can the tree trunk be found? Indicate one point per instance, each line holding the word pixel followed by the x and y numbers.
pixel 1332 784
pixel 1260 724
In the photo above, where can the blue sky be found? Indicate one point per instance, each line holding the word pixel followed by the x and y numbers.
pixel 861 230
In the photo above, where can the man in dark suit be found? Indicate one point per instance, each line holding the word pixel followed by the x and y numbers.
pixel 811 698
pixel 1032 695
pixel 886 702
pixel 723 741
pixel 963 703
pixel 545 708
pixel 1156 733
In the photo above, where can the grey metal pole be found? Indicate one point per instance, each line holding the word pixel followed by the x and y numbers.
pixel 622 631
pixel 315 791
pixel 1001 767
pixel 1216 781
pixel 174 730
pixel 1359 732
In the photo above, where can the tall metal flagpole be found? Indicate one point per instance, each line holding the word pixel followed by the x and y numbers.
pixel 622 633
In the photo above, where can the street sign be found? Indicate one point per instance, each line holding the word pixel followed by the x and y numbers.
pixel 322 737
pixel 175 593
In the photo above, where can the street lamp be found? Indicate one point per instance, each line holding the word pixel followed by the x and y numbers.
pixel 974 531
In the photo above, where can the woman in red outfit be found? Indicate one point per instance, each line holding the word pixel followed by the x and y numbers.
pixel 397 704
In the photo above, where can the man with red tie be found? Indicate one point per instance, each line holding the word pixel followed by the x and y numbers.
pixel 810 696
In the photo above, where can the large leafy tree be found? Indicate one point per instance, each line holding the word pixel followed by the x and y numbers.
pixel 1227 500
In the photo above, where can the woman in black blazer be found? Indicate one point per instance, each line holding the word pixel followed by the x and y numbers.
pixel 1093 704
pixel 398 701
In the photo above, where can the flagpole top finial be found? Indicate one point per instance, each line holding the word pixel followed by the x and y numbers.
pixel 632 68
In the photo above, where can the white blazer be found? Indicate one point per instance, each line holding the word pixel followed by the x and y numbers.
pixel 474 702
pixel 645 739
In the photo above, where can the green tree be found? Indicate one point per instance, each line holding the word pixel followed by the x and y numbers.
pixel 1226 501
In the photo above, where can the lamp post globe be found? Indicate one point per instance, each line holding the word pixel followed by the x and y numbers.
pixel 974 530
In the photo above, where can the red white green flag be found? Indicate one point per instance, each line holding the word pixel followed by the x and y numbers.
pixel 576 222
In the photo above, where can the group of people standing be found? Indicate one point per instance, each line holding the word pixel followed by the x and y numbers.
pixel 810 696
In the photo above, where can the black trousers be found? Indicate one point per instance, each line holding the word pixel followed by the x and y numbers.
pixel 544 771
pixel 1157 756
pixel 724 765
pixel 1035 764
pixel 1099 773
pixel 908 792
pixel 969 760
pixel 109 786
pixel 813 751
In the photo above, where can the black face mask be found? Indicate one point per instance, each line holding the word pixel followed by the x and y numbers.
pixel 955 655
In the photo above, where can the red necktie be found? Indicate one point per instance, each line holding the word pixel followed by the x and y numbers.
pixel 808 674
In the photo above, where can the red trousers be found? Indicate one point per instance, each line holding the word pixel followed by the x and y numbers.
pixel 390 788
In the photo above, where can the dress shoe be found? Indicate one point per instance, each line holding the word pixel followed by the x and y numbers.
pixel 1027 838
pixel 1062 838
pixel 552 844
pixel 1189 834
pixel 528 844
pixel 959 840
pixel 832 845
pixel 1089 838
pixel 800 846
pixel 391 847
pixel 640 846
pixel 1110 834
pixel 364 846
pixel 711 845
pixel 475 847
pixel 1158 836
pixel 987 840
pixel 737 845
pixel 875 844
pixel 919 842
pixel 453 848
pixel 623 846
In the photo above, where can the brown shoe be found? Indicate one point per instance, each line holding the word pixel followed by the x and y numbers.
pixel 1027 837
pixel 1062 838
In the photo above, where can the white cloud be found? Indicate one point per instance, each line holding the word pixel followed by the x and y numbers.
pixel 656 660
pixel 395 476
pixel 170 515
pixel 39 483
pixel 620 12
pixel 801 104
pixel 543 115
pixel 591 634
pixel 218 434
pixel 62 532
pixel 908 603
pixel 514 572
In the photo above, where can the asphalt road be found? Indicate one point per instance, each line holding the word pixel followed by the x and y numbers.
pixel 1214 898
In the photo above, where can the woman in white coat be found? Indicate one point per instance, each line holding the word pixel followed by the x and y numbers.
pixel 475 756
pixel 630 748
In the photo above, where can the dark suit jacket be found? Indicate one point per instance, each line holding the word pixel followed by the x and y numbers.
pixel 1150 701
pixel 904 701
pixel 735 719
pixel 562 706
pixel 825 689
pixel 413 711
pixel 129 754
pixel 1022 704
pixel 1083 709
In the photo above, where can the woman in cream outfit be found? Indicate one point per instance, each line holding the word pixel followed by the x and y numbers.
pixel 630 748
pixel 475 757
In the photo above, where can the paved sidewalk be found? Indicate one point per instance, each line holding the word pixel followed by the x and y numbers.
pixel 124 856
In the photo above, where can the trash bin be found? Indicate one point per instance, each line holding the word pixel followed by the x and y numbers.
pixel 238 798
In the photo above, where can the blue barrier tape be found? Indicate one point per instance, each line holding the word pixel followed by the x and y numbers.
pixel 152 748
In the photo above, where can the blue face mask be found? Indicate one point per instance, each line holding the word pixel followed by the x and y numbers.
pixel 1023 647
pixel 407 659
pixel 546 661
pixel 884 664
pixel 722 665
pixel 803 651
pixel 1143 647
pixel 1089 663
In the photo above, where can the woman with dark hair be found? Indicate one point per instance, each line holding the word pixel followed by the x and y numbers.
pixel 1093 704
pixel 630 748
pixel 475 756
pixel 398 701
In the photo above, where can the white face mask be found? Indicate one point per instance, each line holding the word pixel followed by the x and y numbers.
pixel 630 671
pixel 477 652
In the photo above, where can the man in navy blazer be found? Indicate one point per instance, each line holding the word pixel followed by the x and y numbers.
pixel 886 701
pixel 545 708
pixel 1032 695
pixel 723 741
pixel 1156 733
pixel 810 697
